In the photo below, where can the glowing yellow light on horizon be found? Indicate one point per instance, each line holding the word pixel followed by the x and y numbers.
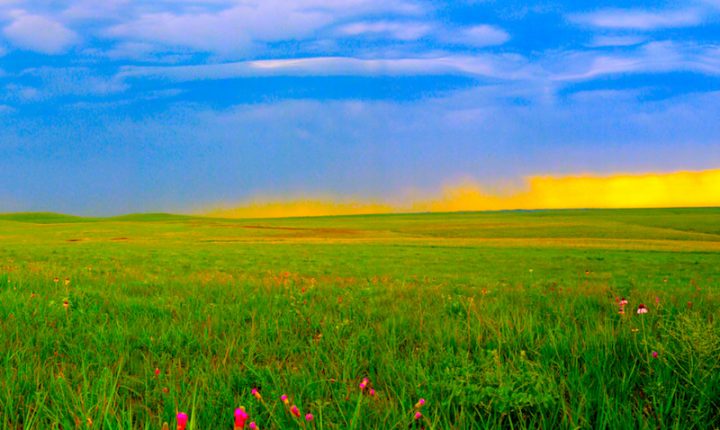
pixel 678 189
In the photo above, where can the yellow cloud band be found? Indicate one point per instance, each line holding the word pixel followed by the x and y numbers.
pixel 678 189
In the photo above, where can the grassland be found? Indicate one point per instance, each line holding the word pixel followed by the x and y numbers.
pixel 498 320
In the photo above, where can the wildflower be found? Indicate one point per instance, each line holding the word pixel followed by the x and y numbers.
pixel 642 309
pixel 66 304
pixel 240 417
pixel 284 399
pixel 364 383
pixel 295 411
pixel 182 419
pixel 654 354
pixel 587 272
pixel 657 300
pixel 623 301
pixel 372 392
pixel 418 415
pixel 165 390
pixel 420 404
pixel 56 280
pixel 309 417
pixel 254 426
pixel 689 305
pixel 256 393
pixel 67 281
pixel 621 311
pixel 157 371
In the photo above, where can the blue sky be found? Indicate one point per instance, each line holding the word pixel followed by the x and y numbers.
pixel 121 106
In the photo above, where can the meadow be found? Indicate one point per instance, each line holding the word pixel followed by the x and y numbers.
pixel 497 320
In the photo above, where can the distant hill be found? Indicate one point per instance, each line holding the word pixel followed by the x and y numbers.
pixel 56 218
pixel 44 218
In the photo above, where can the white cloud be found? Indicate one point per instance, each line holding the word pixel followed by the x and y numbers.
pixel 548 72
pixel 244 25
pixel 139 51
pixel 94 9
pixel 22 93
pixel 605 41
pixel 493 66
pixel 654 57
pixel 478 36
pixel 40 34
pixel 390 29
pixel 639 19
pixel 41 84
pixel 75 81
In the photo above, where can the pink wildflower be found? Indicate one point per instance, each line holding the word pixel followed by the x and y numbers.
pixel 240 417
pixel 642 309
pixel 418 415
pixel 364 384
pixel 182 419
pixel 655 354
pixel 256 393
pixel 157 371
pixel 371 392
pixel 295 411
pixel 284 399
pixel 254 426
pixel 623 301
pixel 420 404
pixel 309 417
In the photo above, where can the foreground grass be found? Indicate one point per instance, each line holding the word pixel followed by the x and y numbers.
pixel 518 332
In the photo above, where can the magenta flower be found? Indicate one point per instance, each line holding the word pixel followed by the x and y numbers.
pixel 240 417
pixel 253 426
pixel 295 411
pixel 418 415
pixel 372 392
pixel 284 399
pixel 420 404
pixel 309 417
pixel 364 383
pixel 655 354
pixel 182 420
pixel 256 393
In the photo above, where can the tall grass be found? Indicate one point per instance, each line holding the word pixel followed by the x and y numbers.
pixel 487 342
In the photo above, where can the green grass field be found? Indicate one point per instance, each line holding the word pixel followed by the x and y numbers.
pixel 498 320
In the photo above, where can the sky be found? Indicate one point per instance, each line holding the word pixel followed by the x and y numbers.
pixel 120 106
